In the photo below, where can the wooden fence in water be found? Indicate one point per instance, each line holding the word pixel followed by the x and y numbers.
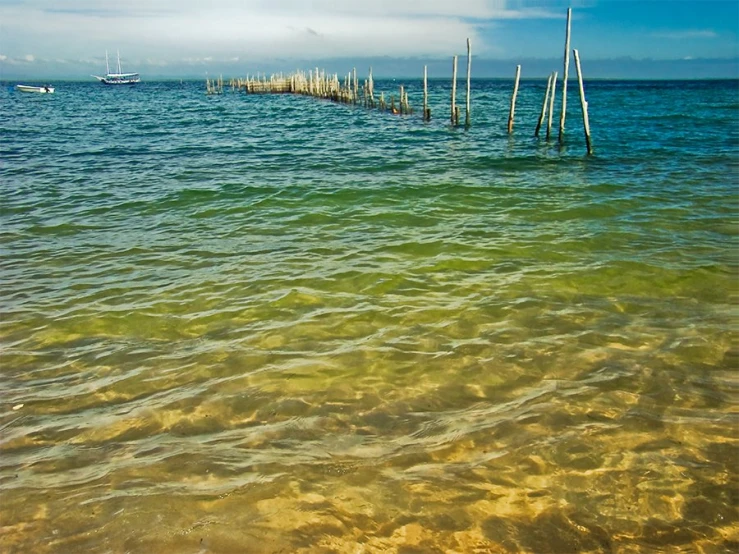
pixel 346 90
pixel 320 84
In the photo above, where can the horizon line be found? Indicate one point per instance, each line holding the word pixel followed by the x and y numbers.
pixel 165 79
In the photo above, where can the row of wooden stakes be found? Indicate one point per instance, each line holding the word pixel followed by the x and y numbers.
pixel 319 84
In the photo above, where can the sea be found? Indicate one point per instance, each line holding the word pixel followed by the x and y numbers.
pixel 276 324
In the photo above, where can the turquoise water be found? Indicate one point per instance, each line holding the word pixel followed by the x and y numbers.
pixel 276 324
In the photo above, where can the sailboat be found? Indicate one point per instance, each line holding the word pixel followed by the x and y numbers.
pixel 118 78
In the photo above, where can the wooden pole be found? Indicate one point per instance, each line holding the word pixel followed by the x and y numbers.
pixel 469 74
pixel 564 79
pixel 356 85
pixel 426 112
pixel 551 104
pixel 544 106
pixel 513 100
pixel 371 90
pixel 583 103
pixel 454 89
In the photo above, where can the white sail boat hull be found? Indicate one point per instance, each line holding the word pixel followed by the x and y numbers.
pixel 119 79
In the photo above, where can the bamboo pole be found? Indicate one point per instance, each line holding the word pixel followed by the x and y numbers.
pixel 426 112
pixel 513 100
pixel 403 108
pixel 371 89
pixel 469 73
pixel 356 85
pixel 454 89
pixel 544 106
pixel 551 104
pixel 563 115
pixel 583 103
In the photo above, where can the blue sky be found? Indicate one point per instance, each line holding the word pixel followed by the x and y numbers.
pixel 189 38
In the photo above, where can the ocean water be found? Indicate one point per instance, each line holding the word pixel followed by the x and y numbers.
pixel 276 324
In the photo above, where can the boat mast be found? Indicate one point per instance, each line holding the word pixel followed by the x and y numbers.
pixel 119 62
pixel 107 66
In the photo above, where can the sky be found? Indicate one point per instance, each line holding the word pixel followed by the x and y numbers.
pixel 198 38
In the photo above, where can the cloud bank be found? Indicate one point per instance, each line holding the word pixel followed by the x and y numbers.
pixel 191 37
pixel 254 29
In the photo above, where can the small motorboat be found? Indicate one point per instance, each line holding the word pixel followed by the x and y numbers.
pixel 43 89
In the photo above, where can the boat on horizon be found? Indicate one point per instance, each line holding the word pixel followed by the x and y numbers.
pixel 43 89
pixel 118 78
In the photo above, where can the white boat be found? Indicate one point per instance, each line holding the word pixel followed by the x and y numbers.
pixel 118 78
pixel 44 89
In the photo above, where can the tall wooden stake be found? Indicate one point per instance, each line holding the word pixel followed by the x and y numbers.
pixel 583 103
pixel 426 111
pixel 469 73
pixel 564 79
pixel 356 86
pixel 454 89
pixel 371 89
pixel 513 100
pixel 544 106
pixel 551 104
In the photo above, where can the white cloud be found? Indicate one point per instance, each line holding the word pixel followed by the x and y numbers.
pixel 169 30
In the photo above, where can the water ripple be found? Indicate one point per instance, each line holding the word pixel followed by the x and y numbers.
pixel 277 321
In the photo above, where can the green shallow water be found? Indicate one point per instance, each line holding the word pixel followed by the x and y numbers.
pixel 275 324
